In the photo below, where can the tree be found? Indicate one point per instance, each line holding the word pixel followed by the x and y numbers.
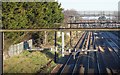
pixel 29 15
pixel 68 13
pixel 18 15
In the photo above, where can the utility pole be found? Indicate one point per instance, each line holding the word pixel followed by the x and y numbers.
pixel 119 11
pixel 1 52
pixel 55 46
pixel 62 44
pixel 70 31
pixel 1 43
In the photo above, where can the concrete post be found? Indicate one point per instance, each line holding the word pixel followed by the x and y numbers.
pixel 75 49
pixel 56 48
pixel 69 50
pixel 51 49
pixel 63 44
pixel 45 41
pixel 1 52
pixel 74 55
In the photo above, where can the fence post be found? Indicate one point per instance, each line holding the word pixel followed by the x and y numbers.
pixel 9 51
pixel 21 47
pixel 12 50
pixel 18 48
pixel 29 43
pixel 15 50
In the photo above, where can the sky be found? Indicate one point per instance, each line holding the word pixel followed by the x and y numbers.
pixel 90 5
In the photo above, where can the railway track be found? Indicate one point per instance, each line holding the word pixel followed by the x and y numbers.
pixel 97 69
pixel 69 66
pixel 115 38
pixel 103 61
pixel 115 47
pixel 114 54
pixel 100 63
pixel 107 54
pixel 80 67
pixel 78 63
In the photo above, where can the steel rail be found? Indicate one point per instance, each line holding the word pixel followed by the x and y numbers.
pixel 111 71
pixel 74 69
pixel 112 47
pixel 96 55
pixel 113 41
pixel 69 58
pixel 88 46
pixel 111 55
pixel 87 40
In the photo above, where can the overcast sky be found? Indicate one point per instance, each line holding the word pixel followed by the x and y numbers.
pixel 93 5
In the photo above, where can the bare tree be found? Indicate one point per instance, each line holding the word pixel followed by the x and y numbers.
pixel 68 13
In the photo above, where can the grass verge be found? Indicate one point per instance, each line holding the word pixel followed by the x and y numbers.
pixel 29 62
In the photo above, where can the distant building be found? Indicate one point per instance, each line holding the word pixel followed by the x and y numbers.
pixel 119 11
